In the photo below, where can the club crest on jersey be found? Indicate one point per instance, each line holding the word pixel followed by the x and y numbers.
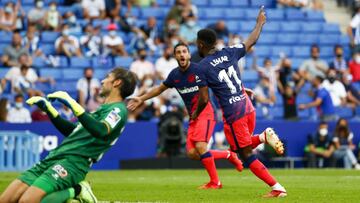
pixel 113 117
pixel 176 81
pixel 217 61
pixel 191 78
pixel 60 171
pixel 197 78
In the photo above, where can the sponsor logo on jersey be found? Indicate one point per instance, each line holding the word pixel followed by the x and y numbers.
pixel 217 61
pixel 60 171
pixel 188 90
pixel 235 99
pixel 113 117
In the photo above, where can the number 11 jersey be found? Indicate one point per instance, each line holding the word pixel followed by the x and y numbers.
pixel 220 72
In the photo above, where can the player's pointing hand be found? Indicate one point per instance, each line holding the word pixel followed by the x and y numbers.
pixel 134 103
pixel 261 19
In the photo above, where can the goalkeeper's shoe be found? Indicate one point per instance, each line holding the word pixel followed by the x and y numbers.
pixel 275 193
pixel 86 195
pixel 211 185
pixel 233 158
pixel 273 140
pixel 73 201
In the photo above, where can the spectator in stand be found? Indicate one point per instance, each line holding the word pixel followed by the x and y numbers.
pixel 52 18
pixel 141 66
pixel 339 63
pixel 353 31
pixel 113 9
pixel 112 43
pixel 13 51
pixel 354 67
pixel 189 10
pixel 264 95
pixel 23 78
pixel 39 115
pixel 19 114
pixel 304 4
pixel 152 33
pixel 31 41
pixel 322 101
pixel 91 41
pixel 88 89
pixel 288 76
pixel 314 66
pixel 269 71
pixel 352 94
pixel 138 42
pixel 319 148
pixel 344 145
pixel 289 95
pixel 67 113
pixel 335 88
pixel 8 17
pixel 93 9
pixel 221 29
pixel 71 20
pixel 188 30
pixel 166 63
pixel 176 12
pixel 145 3
pixel 171 32
pixel 4 108
pixel 36 16
pixel 67 44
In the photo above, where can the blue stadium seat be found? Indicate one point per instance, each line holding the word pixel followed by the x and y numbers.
pixel 233 26
pixel 247 26
pixel 271 27
pixel 310 27
pixel 123 61
pixel 344 40
pixel 250 76
pixel 290 27
pixel 102 23
pixel 28 2
pixel 296 63
pixel 48 49
pixel 200 3
pixel 313 16
pixel 100 73
pixel 275 14
pixel 326 51
pixel 216 13
pixel 251 14
pixel 328 39
pixel 301 51
pixel 49 37
pixel 165 2
pixel 5 37
pixel 2 47
pixel 267 39
pixel 63 9
pixel 69 86
pixel 45 87
pixel 304 114
pixel 294 14
pixel 72 74
pixel 39 62
pixel 259 113
pixel 344 112
pixel 135 11
pixel 153 12
pixel 242 4
pixel 217 3
pixel 258 3
pixel 263 51
pixel 51 72
pixel 303 99
pixel 308 39
pixel 99 62
pixel 3 72
pixel 276 112
pixel 80 62
pixel 276 50
pixel 235 13
pixel 357 111
pixel 331 28
pixel 288 39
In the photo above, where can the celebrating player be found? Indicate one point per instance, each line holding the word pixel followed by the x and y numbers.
pixel 219 71
pixel 59 176
pixel 184 78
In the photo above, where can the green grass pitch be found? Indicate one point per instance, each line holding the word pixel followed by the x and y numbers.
pixel 180 186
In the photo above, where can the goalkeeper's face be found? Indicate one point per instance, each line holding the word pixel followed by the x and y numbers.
pixel 108 85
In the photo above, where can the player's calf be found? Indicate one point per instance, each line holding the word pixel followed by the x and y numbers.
pixel 32 195
pixel 13 192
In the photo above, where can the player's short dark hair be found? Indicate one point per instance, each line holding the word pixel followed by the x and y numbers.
pixel 337 46
pixel 181 44
pixel 18 96
pixel 319 78
pixel 315 46
pixel 88 68
pixel 323 123
pixel 208 36
pixel 128 79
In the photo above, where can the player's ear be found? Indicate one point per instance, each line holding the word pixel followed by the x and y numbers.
pixel 117 83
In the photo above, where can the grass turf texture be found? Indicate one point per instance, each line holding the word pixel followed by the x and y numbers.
pixel 181 186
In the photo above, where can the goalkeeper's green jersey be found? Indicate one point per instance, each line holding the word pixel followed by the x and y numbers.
pixel 82 143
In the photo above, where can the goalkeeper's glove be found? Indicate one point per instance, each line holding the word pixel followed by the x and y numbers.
pixel 65 98
pixel 43 104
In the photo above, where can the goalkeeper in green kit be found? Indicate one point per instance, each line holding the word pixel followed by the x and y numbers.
pixel 59 177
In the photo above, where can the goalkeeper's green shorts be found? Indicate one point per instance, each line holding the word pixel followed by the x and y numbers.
pixel 56 174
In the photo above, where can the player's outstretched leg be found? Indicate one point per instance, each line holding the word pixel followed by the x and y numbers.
pixel 261 172
pixel 268 137
pixel 230 156
pixel 86 195
pixel 207 159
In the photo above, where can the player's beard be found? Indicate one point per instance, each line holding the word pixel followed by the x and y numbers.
pixel 184 66
pixel 104 92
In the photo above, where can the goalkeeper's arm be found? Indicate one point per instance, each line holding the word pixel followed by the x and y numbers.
pixel 64 126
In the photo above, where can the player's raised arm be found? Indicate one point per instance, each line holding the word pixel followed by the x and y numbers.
pixel 254 36
pixel 202 102
pixel 64 126
pixel 137 101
